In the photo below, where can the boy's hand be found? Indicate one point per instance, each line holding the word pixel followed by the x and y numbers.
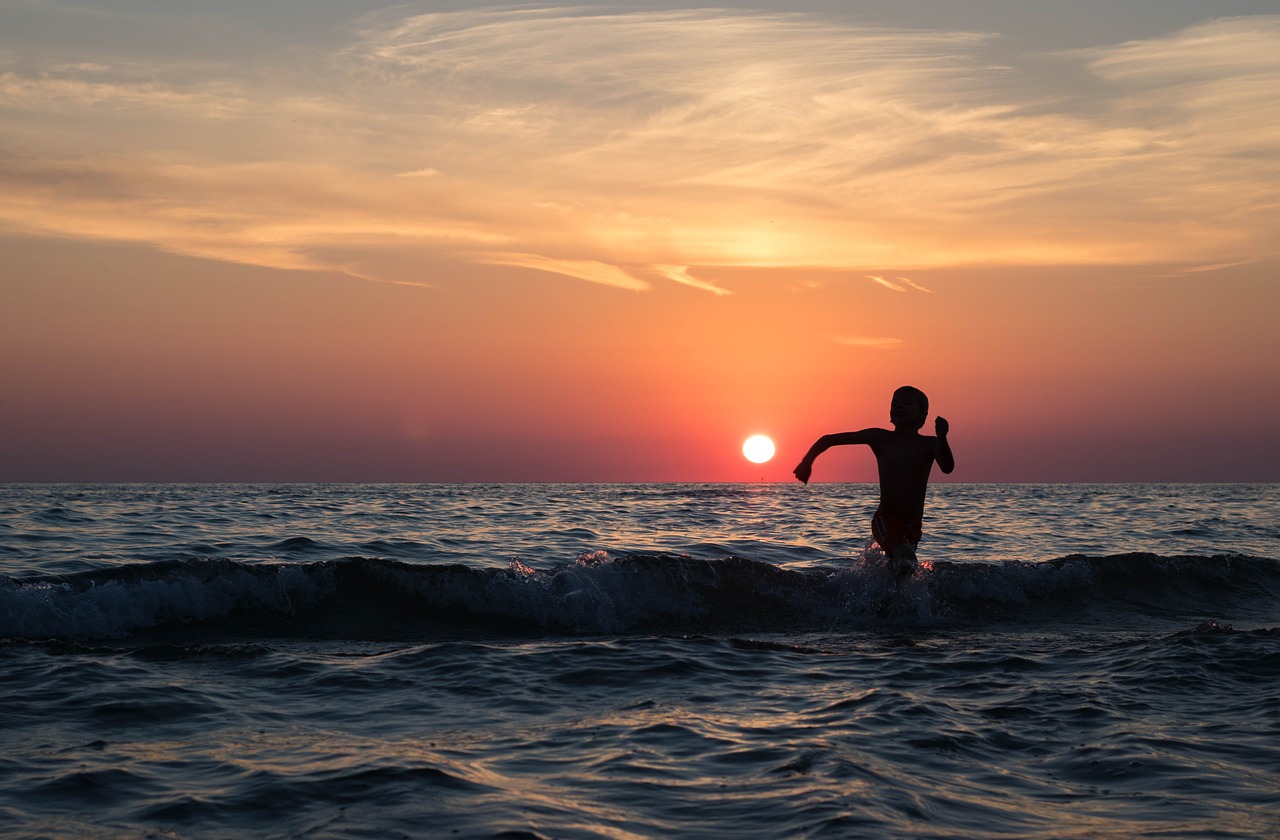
pixel 803 471
pixel 941 427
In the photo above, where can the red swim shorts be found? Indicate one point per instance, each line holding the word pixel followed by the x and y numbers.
pixel 891 530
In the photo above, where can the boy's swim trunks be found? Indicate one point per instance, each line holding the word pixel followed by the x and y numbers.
pixel 891 530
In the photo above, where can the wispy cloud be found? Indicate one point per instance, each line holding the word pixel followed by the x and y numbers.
pixel 898 284
pixel 427 172
pixel 870 342
pixel 1202 269
pixel 1211 268
pixel 888 284
pixel 104 89
pixel 589 270
pixel 680 274
pixel 909 283
pixel 633 143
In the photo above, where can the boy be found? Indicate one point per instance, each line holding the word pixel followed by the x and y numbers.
pixel 904 458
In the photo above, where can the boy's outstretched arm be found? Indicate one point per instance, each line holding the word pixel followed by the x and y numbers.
pixel 942 453
pixel 805 468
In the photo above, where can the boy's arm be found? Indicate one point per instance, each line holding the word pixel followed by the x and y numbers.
pixel 805 468
pixel 942 449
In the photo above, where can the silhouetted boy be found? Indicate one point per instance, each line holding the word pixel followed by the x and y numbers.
pixel 904 458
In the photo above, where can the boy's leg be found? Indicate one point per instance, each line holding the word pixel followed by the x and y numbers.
pixel 897 539
pixel 902 560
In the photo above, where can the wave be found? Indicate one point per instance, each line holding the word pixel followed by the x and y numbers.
pixel 360 597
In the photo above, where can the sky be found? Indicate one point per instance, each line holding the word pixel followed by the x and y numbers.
pixel 445 241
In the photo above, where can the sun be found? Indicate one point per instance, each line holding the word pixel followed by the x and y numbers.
pixel 758 449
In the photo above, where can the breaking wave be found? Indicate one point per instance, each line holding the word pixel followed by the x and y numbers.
pixel 360 597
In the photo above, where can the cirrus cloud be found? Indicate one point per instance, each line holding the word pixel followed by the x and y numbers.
pixel 608 146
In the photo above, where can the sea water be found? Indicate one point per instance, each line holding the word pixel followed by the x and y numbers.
pixel 637 661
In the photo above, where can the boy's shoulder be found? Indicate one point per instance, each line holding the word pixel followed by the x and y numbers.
pixel 905 437
pixel 903 442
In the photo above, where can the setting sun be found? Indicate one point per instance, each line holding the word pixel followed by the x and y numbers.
pixel 758 449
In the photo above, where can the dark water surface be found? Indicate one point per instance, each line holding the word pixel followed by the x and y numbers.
pixel 637 661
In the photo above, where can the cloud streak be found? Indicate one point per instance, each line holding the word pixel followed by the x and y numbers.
pixel 637 144
pixel 870 342
pixel 590 270
pixel 680 274
pixel 897 284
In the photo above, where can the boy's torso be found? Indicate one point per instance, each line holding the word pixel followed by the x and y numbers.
pixel 904 460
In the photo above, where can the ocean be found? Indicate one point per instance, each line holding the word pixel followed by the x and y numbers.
pixel 636 661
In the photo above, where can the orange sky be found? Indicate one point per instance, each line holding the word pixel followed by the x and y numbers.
pixel 557 245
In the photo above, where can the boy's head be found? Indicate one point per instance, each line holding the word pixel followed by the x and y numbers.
pixel 909 408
